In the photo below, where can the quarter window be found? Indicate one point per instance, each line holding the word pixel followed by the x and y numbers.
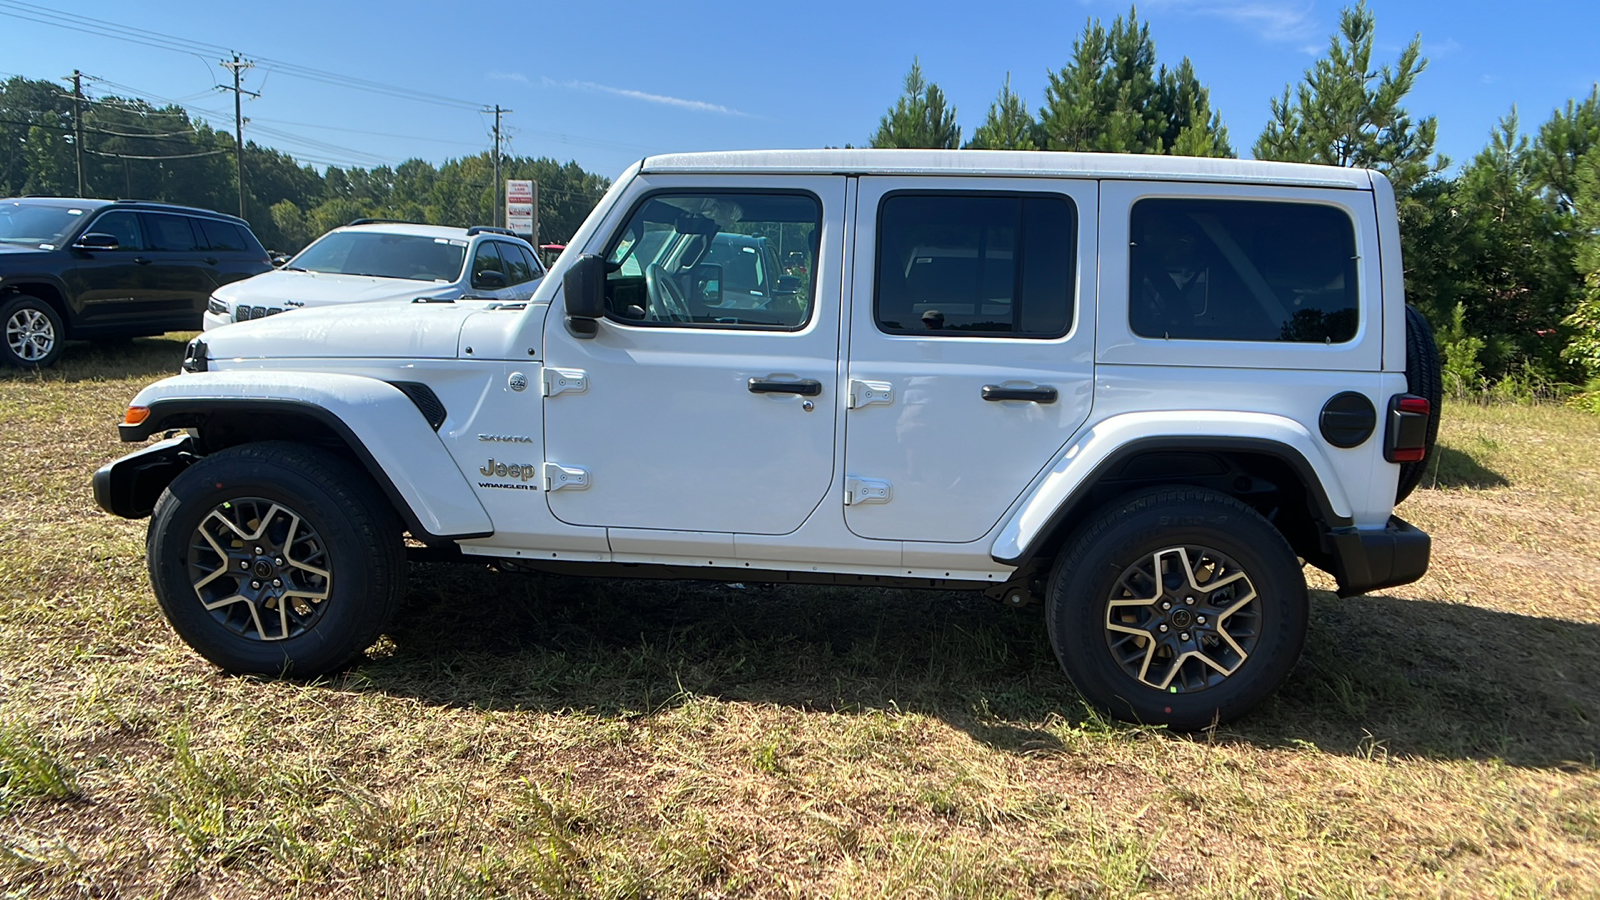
pixel 968 265
pixel 1242 270
pixel 716 260
pixel 223 236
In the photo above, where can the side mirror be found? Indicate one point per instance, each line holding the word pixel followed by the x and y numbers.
pixel 489 280
pixel 788 285
pixel 583 288
pixel 708 284
pixel 98 242
pixel 278 259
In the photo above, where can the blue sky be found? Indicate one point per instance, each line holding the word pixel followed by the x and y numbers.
pixel 607 84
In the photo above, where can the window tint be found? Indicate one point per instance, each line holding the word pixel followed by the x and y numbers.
pixel 967 265
pixel 710 260
pixel 222 235
pixel 487 259
pixel 383 255
pixel 166 232
pixel 532 260
pixel 1242 270
pixel 124 226
pixel 517 269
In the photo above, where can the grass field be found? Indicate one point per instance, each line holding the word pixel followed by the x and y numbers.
pixel 518 735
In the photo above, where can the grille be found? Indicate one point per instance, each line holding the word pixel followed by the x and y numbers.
pixel 246 313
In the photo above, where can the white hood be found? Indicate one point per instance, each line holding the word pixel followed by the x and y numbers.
pixel 289 290
pixel 365 330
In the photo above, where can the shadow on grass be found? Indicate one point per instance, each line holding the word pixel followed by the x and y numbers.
pixel 1379 674
pixel 1452 468
pixel 149 357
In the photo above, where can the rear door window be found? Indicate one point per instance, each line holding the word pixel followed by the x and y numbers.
pixel 517 269
pixel 167 232
pixel 969 265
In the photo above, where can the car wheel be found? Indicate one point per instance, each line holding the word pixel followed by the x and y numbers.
pixel 276 559
pixel 1423 378
pixel 1179 606
pixel 33 331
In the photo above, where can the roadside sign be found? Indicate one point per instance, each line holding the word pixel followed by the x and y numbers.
pixel 522 207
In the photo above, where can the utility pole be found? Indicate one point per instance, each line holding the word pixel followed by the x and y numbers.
pixel 237 67
pixel 77 127
pixel 499 188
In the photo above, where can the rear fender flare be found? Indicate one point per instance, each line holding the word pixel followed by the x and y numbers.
pixel 380 425
pixel 1099 448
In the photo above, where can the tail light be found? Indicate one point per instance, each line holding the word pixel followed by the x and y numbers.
pixel 1406 439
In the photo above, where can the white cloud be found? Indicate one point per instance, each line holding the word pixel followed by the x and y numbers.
pixel 509 76
pixel 661 99
pixel 1271 20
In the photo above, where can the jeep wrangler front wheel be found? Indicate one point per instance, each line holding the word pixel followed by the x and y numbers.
pixel 276 559
pixel 1179 606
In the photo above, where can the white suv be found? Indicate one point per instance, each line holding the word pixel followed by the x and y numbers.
pixel 370 260
pixel 1142 390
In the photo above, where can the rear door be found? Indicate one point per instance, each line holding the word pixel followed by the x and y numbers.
pixel 178 273
pixel 970 350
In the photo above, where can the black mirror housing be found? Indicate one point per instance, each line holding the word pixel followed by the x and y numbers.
pixel 489 280
pixel 708 284
pixel 583 288
pixel 98 242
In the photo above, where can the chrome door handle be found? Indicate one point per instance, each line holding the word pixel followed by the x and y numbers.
pixel 805 387
pixel 996 392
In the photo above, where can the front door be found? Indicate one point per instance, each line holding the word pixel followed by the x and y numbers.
pixel 699 405
pixel 971 348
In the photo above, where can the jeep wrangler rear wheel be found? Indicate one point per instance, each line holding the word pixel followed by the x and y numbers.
pixel 276 559
pixel 1179 606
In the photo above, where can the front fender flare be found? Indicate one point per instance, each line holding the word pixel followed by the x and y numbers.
pixel 1098 448
pixel 379 423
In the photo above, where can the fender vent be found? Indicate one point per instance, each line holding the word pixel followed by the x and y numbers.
pixel 426 400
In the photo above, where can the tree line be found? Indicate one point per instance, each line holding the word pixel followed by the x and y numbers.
pixel 1503 256
pixel 132 148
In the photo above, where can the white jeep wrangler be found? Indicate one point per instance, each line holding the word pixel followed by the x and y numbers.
pixel 1145 390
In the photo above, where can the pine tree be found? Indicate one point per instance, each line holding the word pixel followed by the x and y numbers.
pixel 1563 141
pixel 1111 97
pixel 1346 113
pixel 919 118
pixel 1584 347
pixel 1009 125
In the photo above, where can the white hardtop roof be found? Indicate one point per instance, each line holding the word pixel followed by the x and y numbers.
pixel 1010 162
pixel 433 231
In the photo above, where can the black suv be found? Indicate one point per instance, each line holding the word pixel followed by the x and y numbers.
pixel 98 269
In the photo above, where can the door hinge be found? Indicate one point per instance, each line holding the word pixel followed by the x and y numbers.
pixel 565 381
pixel 861 491
pixel 866 393
pixel 565 478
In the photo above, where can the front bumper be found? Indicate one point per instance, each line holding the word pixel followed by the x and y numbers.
pixel 130 486
pixel 1366 559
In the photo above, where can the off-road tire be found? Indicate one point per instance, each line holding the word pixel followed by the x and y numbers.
pixel 1095 563
pixel 37 325
pixel 1423 378
pixel 355 528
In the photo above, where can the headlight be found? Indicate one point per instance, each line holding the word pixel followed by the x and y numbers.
pixel 216 306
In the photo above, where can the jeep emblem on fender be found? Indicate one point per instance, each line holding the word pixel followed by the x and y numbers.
pixel 518 382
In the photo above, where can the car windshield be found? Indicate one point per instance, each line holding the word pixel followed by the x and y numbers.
pixel 375 253
pixel 22 222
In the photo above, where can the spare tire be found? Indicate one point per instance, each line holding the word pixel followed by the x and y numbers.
pixel 1423 378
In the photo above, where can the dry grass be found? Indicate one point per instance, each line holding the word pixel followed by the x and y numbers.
pixel 546 736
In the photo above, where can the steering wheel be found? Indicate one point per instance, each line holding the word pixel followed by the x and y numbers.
pixel 667 304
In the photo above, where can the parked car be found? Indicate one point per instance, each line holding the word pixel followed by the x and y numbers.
pixel 1144 391
pixel 370 260
pixel 99 269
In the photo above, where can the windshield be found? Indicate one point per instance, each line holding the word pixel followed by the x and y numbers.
pixel 384 256
pixel 22 222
